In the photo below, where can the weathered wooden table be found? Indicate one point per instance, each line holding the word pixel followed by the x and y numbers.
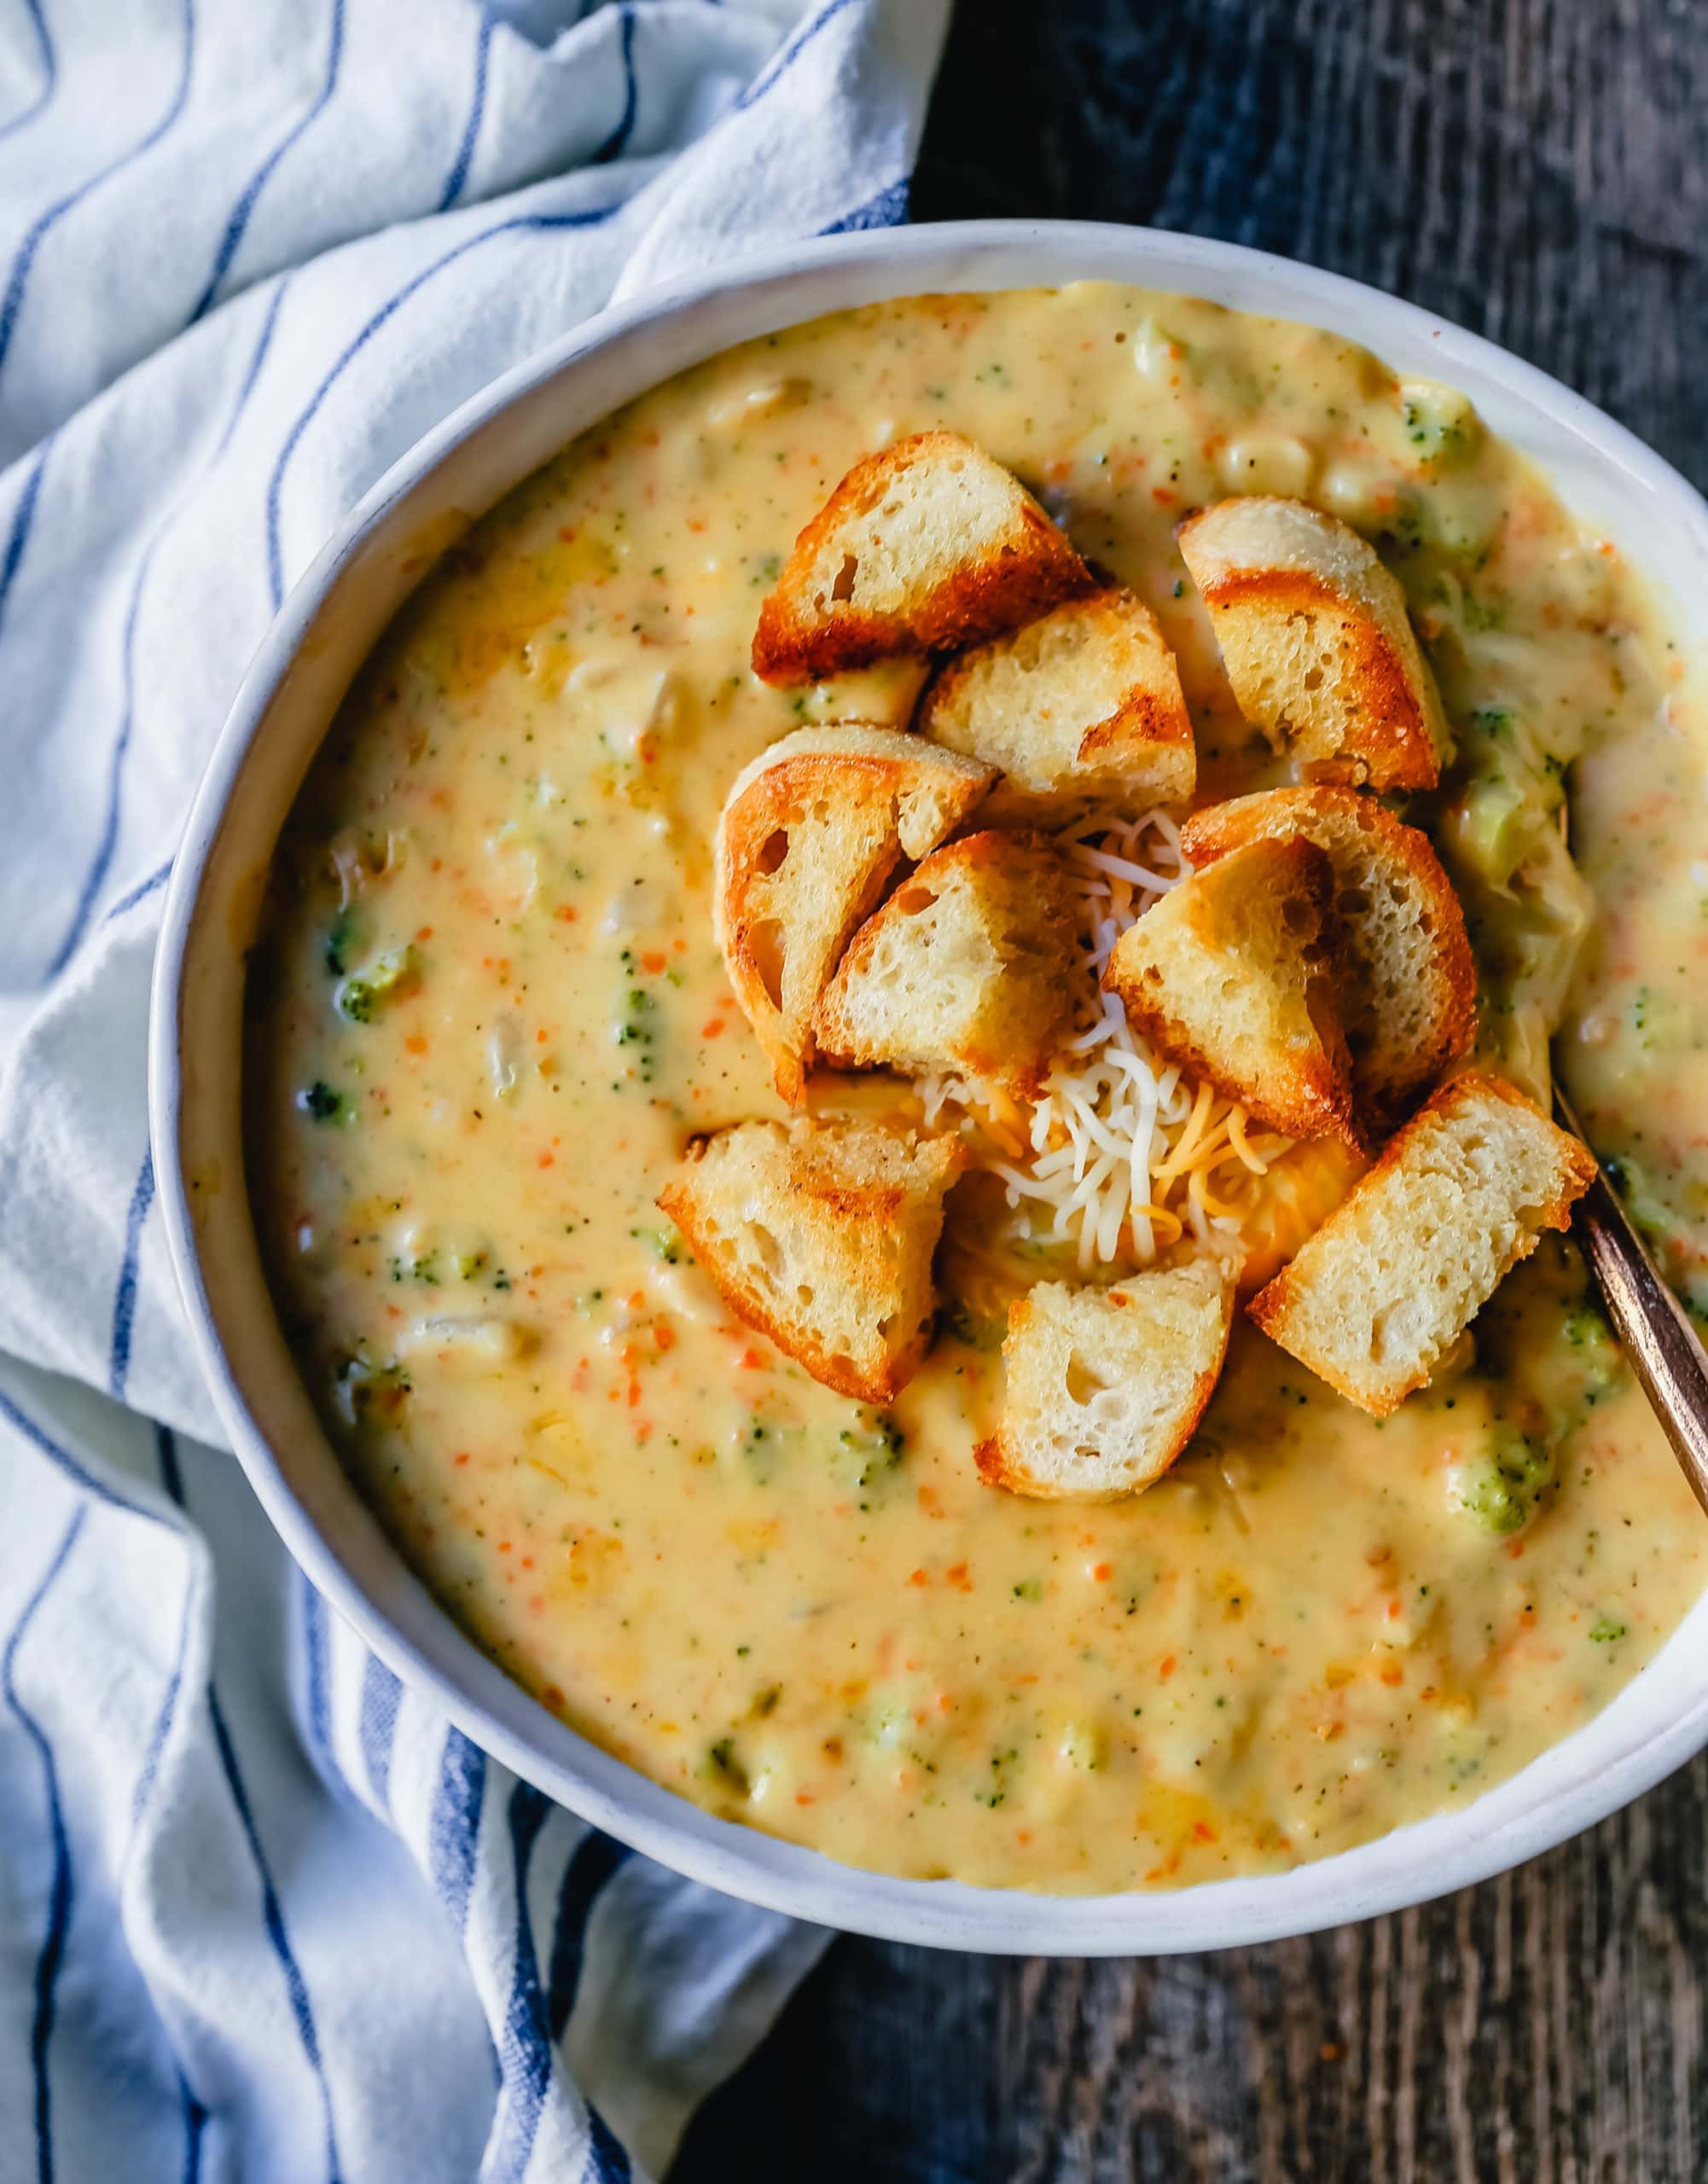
pixel 1537 170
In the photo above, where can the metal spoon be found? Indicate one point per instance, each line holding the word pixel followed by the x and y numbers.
pixel 1653 1331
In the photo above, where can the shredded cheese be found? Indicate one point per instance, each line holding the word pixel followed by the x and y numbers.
pixel 1122 1154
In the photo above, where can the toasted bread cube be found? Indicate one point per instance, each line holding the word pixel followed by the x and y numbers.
pixel 1105 1386
pixel 926 547
pixel 1316 643
pixel 965 968
pixel 1410 988
pixel 820 1235
pixel 1234 975
pixel 810 833
pixel 1394 1277
pixel 1082 704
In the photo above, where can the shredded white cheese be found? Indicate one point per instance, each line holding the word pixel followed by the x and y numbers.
pixel 1119 1150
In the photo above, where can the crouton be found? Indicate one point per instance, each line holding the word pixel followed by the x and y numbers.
pixel 1410 985
pixel 1083 703
pixel 820 1235
pixel 965 968
pixel 1233 974
pixel 1106 1386
pixel 926 547
pixel 810 833
pixel 1396 1274
pixel 1314 637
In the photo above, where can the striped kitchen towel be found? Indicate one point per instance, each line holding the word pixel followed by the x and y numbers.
pixel 263 1913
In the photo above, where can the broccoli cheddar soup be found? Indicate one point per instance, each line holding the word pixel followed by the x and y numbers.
pixel 750 1492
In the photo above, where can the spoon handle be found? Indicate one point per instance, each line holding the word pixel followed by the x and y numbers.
pixel 1652 1329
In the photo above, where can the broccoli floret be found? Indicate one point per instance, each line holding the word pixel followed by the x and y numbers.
pixel 1590 1340
pixel 865 1452
pixel 321 1101
pixel 1502 1487
pixel 340 937
pixel 363 1388
pixel 978 1330
pixel 1439 421
pixel 723 1764
pixel 360 994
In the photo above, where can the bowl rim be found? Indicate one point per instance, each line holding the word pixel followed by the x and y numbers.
pixel 1572 1785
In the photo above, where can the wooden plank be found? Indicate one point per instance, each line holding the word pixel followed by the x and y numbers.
pixel 1534 169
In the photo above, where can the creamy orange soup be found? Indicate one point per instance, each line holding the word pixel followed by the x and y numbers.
pixel 488 1011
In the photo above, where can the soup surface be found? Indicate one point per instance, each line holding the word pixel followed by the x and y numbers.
pixel 488 1010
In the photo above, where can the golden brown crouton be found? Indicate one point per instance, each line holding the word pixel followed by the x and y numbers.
pixel 822 1236
pixel 1105 1386
pixel 965 968
pixel 1233 974
pixel 927 546
pixel 1315 640
pixel 1082 704
pixel 810 833
pixel 1396 1274
pixel 1410 984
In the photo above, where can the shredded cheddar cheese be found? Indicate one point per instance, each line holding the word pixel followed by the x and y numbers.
pixel 1120 1151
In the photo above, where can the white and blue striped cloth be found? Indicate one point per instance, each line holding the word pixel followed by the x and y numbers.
pixel 263 1914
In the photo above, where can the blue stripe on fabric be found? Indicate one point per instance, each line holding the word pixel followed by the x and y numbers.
pixel 608 2158
pixel 74 1469
pixel 791 53
pixel 631 96
pixel 195 2114
pixel 50 73
pixel 352 349
pixel 166 1450
pixel 22 518
pixel 169 1704
pixel 60 1894
pixel 377 1724
pixel 471 133
pixel 525 2043
pixel 273 1912
pixel 454 1827
pixel 887 209
pixel 237 225
pixel 296 1987
pixel 596 1858
pixel 12 301
pixel 95 877
pixel 194 2123
pixel 316 1644
pixel 140 892
pixel 124 1296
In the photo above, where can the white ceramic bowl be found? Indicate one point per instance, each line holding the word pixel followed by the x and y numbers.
pixel 327 628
